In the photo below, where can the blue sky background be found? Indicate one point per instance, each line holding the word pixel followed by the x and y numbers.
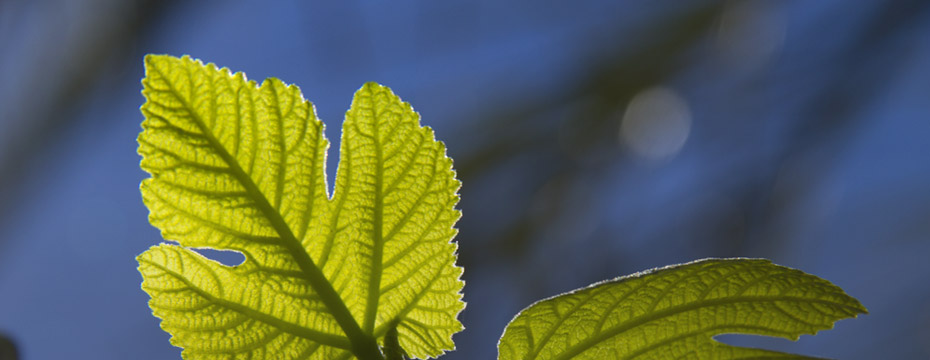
pixel 594 139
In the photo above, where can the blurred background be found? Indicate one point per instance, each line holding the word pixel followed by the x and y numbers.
pixel 594 139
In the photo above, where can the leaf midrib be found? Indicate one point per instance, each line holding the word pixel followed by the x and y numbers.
pixel 362 344
pixel 645 318
pixel 377 253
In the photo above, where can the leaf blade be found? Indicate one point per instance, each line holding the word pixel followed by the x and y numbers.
pixel 653 314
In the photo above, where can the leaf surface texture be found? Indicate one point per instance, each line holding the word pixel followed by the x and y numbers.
pixel 674 313
pixel 238 166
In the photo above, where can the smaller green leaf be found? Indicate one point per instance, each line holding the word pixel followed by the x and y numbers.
pixel 674 312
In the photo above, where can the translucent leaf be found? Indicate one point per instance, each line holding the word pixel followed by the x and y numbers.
pixel 674 313
pixel 237 166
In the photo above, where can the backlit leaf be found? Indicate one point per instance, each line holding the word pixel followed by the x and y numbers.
pixel 674 313
pixel 238 166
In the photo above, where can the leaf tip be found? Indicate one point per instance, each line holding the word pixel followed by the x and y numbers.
pixel 152 61
pixel 373 89
pixel 372 86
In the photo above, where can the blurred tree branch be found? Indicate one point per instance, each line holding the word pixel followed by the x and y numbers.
pixel 64 79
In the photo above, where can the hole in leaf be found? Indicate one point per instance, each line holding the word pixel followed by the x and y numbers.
pixel 225 257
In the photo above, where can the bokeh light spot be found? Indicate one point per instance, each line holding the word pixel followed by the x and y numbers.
pixel 656 123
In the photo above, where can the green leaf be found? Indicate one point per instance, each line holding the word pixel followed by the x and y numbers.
pixel 674 313
pixel 237 166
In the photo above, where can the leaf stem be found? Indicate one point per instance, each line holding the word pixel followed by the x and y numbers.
pixel 364 346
